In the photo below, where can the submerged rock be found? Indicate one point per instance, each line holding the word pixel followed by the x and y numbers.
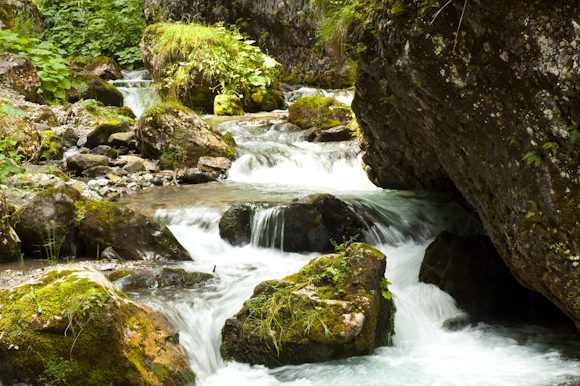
pixel 177 137
pixel 131 280
pixel 335 307
pixel 133 235
pixel 321 112
pixel 77 322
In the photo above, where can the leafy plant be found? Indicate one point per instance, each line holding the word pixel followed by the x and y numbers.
pixel 93 28
pixel 222 55
pixel 553 146
pixel 47 58
pixel 55 371
pixel 574 133
pixel 533 159
pixel 385 288
pixel 9 157
pixel 52 243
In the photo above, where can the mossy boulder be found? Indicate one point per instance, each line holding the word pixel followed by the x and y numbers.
pixel 49 221
pixel 52 146
pixel 19 74
pixel 177 137
pixel 227 105
pixel 270 99
pixel 101 133
pixel 335 307
pixel 9 241
pixel 105 68
pixel 93 87
pixel 26 135
pixel 235 224
pixel 133 235
pixel 321 112
pixel 74 325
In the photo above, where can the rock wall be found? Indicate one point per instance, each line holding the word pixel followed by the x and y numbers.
pixel 493 112
pixel 285 28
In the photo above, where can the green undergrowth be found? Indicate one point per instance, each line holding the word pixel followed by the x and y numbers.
pixel 93 107
pixel 222 55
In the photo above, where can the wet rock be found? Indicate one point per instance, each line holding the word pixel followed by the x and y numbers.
pixel 227 105
pixel 470 269
pixel 136 344
pixel 81 162
pixel 196 176
pixel 157 181
pixel 93 87
pixel 19 74
pixel 132 235
pixel 315 315
pixel 100 134
pixel 334 134
pixel 235 224
pixel 9 241
pixel 126 111
pixel 52 146
pixel 286 126
pixel 214 164
pixel 70 137
pixel 138 279
pixel 47 224
pixel 321 112
pixel 177 137
pixel 104 68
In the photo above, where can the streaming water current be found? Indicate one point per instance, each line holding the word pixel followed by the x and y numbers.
pixel 275 167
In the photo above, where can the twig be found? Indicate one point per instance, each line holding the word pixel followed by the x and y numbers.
pixel 438 12
pixel 459 26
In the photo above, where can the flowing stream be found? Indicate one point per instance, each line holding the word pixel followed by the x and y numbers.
pixel 275 167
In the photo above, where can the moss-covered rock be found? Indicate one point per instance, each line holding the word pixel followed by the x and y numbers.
pixel 49 222
pixel 22 17
pixel 104 68
pixel 126 111
pixel 227 105
pixel 321 112
pixel 235 224
pixel 73 327
pixel 93 87
pixel 133 235
pixel 177 137
pixel 101 133
pixel 335 307
pixel 271 99
pixel 52 146
pixel 26 135
pixel 9 240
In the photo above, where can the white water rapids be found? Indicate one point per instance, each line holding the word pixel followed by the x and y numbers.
pixel 275 167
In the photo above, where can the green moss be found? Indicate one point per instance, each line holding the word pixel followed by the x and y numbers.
pixel 52 146
pixel 114 276
pixel 321 112
pixel 227 105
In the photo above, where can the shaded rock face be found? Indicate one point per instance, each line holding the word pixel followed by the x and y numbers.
pixel 19 74
pixel 470 270
pixel 49 221
pixel 104 68
pixel 235 224
pixel 132 235
pixel 100 134
pixel 93 87
pixel 9 240
pixel 285 27
pixel 315 316
pixel 498 117
pixel 91 331
pixel 177 137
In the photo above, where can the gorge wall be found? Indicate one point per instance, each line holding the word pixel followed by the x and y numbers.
pixel 493 113
pixel 285 28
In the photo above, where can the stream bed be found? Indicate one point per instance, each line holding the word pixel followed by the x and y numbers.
pixel 276 167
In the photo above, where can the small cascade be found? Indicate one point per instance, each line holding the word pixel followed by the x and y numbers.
pixel 268 228
pixel 344 96
pixel 137 89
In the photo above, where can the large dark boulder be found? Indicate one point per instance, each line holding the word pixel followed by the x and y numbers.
pixel 73 327
pixel 102 132
pixel 235 225
pixel 133 235
pixel 104 68
pixel 47 224
pixel 492 112
pixel 93 87
pixel 335 307
pixel 470 269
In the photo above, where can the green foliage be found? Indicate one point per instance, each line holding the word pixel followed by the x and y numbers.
pixel 9 157
pixel 385 289
pixel 533 159
pixel 51 243
pixel 47 58
pixel 222 55
pixel 93 28
pixel 55 371
pixel 553 146
pixel 574 133
pixel 24 24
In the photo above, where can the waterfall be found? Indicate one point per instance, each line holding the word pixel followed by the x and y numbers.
pixel 137 89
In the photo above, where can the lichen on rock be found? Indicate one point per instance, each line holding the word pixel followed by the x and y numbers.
pixel 320 112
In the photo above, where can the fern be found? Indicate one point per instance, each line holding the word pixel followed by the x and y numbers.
pixel 533 159
pixel 553 146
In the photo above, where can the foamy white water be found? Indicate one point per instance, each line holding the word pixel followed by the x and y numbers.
pixel 138 90
pixel 402 224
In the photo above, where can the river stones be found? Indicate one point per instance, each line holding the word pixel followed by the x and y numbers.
pixel 101 133
pixel 321 112
pixel 81 162
pixel 177 137
pixel 133 235
pixel 335 307
pixel 235 224
pixel 78 322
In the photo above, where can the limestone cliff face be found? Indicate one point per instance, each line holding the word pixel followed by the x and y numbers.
pixel 495 115
pixel 285 28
